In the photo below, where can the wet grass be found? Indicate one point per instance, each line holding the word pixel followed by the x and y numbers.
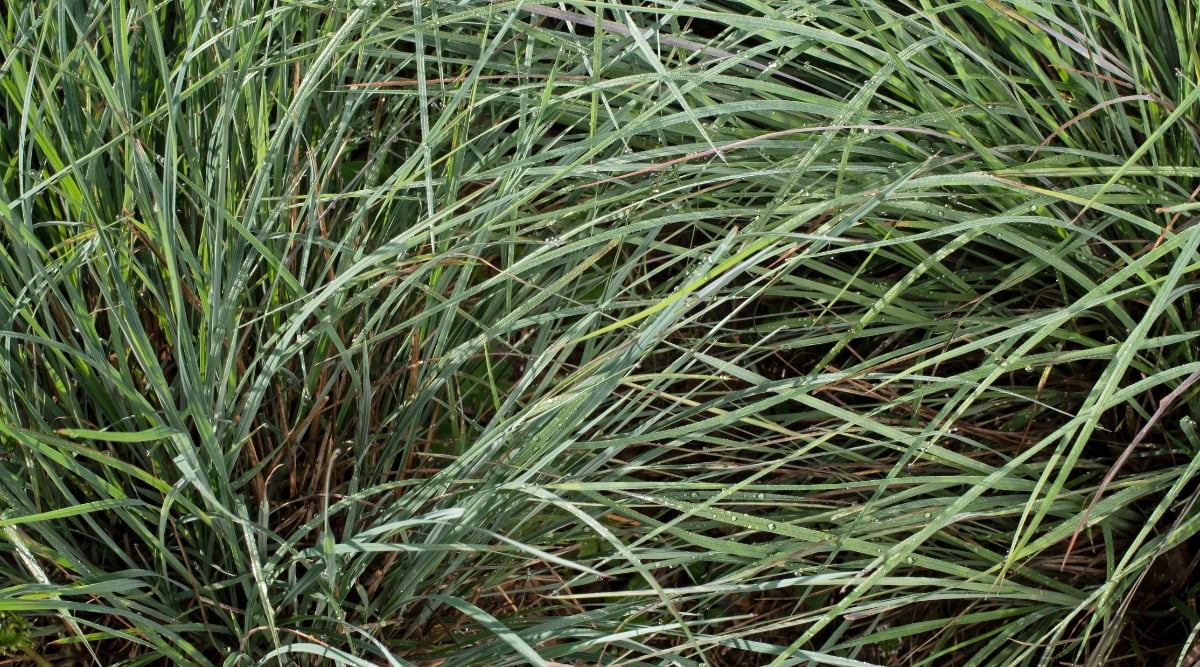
pixel 722 333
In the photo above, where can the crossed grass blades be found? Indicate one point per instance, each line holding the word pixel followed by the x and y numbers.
pixel 713 333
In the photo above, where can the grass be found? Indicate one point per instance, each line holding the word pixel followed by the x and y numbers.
pixel 493 333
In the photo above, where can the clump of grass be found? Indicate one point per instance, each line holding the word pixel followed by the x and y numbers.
pixel 719 333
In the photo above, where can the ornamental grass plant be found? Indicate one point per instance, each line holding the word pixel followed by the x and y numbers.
pixel 754 332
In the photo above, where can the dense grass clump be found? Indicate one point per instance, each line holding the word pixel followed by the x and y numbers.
pixel 497 333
